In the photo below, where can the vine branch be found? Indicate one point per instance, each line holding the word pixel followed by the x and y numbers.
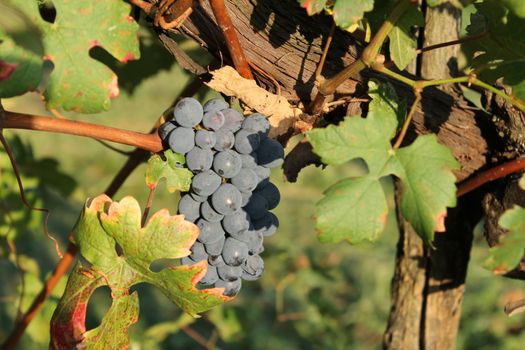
pixel 14 120
pixel 232 41
pixel 490 175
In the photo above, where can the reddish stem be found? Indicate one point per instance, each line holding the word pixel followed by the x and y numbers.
pixel 232 41
pixel 492 174
pixel 148 142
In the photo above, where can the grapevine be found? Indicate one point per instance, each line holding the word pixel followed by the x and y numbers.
pixel 231 193
pixel 411 111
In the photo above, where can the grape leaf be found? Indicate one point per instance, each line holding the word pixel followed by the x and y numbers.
pixel 516 6
pixel 355 209
pixel 428 184
pixel 403 42
pixel 103 225
pixel 348 13
pixel 313 6
pixel 78 82
pixel 501 52
pixel 68 323
pixel 177 177
pixel 363 218
pixel 123 313
pixel 508 253
pixel 20 69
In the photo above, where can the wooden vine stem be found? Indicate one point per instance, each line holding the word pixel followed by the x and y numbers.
pixel 232 41
pixel 14 120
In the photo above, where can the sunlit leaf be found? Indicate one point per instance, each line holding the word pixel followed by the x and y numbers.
pixel 355 209
pixel 78 82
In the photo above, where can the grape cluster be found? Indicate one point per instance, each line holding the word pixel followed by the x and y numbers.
pixel 231 193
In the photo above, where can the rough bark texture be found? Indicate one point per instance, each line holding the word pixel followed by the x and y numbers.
pixel 428 285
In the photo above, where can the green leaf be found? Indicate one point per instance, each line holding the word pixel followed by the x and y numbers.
pixel 362 218
pixel 358 137
pixel 355 209
pixel 313 6
pixel 501 52
pixel 78 82
pixel 20 69
pixel 508 253
pixel 177 177
pixel 428 184
pixel 349 12
pixel 104 225
pixel 123 313
pixel 403 42
pixel 516 6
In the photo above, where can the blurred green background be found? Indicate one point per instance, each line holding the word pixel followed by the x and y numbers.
pixel 311 296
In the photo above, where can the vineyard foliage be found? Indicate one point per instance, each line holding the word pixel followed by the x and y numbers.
pixel 122 252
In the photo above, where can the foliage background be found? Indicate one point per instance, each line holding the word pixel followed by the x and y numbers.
pixel 336 296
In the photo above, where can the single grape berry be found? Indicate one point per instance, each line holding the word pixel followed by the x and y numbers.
pixel 246 180
pixel 270 153
pixel 182 140
pixel 227 199
pixel 236 223
pixel 257 206
pixel 227 164
pixel 205 183
pixel 213 120
pixel 253 267
pixel 233 119
pixel 230 287
pixel 189 208
pixel 214 105
pixel 215 248
pixel 210 214
pixel 197 252
pixel 165 129
pixel 234 252
pixel 188 112
pixel 257 123
pixel 267 225
pixel 229 273
pixel 205 139
pixel 210 232
pixel 199 159
pixel 271 193
pixel 246 141
pixel 211 276
pixel 225 140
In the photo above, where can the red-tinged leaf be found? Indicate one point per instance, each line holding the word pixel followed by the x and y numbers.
pixel 123 313
pixel 313 6
pixel 69 320
pixel 104 224
pixel 20 69
pixel 78 82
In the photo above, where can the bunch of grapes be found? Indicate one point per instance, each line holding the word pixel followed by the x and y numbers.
pixel 231 194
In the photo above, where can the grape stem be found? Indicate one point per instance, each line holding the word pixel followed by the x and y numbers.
pixel 490 175
pixel 232 41
pixel 14 120
pixel 459 41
